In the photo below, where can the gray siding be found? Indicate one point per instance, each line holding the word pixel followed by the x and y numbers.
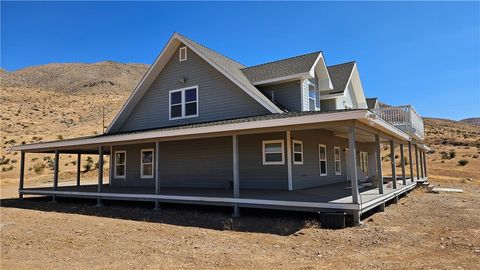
pixel 208 163
pixel 328 105
pixel 253 174
pixel 308 174
pixel 288 94
pixel 133 166
pixel 219 98
pixel 197 163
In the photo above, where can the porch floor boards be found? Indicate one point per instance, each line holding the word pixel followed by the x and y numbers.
pixel 338 193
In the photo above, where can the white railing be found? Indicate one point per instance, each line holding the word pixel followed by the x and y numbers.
pixel 404 117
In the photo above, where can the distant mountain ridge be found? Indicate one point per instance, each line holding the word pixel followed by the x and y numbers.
pixel 472 121
pixel 77 77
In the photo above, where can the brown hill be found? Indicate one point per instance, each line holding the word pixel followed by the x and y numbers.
pixel 77 77
pixel 472 121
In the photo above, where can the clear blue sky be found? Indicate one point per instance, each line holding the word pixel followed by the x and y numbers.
pixel 426 54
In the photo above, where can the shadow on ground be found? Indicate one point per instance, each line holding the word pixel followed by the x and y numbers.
pixel 209 217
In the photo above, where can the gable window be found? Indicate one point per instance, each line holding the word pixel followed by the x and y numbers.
pixel 182 54
pixel 146 163
pixel 338 163
pixel 322 154
pixel 120 164
pixel 297 152
pixel 184 103
pixel 273 152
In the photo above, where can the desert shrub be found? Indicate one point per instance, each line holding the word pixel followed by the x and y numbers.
pixel 452 153
pixel 462 162
pixel 60 137
pixel 4 160
pixel 475 156
pixel 6 169
pixel 444 155
pixel 39 167
pixel 88 166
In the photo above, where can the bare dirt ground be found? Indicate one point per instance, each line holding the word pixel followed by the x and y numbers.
pixel 422 231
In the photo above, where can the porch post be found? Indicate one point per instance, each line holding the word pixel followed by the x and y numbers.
pixel 402 159
pixel 236 174
pixel 410 159
pixel 289 160
pixel 79 160
pixel 22 174
pixel 100 175
pixel 378 155
pixel 421 163
pixel 55 174
pixel 353 171
pixel 425 163
pixel 157 174
pixel 416 162
pixel 392 159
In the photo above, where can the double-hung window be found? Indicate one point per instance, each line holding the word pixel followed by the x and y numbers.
pixel 297 152
pixel 184 103
pixel 146 163
pixel 313 97
pixel 322 154
pixel 273 152
pixel 338 163
pixel 120 164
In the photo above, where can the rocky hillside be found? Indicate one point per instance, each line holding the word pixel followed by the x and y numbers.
pixel 77 77
pixel 473 121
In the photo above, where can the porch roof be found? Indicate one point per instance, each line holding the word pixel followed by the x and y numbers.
pixel 220 128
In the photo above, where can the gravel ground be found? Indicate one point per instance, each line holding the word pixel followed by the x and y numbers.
pixel 424 231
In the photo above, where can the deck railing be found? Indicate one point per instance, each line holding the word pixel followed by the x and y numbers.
pixel 404 117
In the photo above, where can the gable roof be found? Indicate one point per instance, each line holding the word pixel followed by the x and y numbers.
pixel 372 102
pixel 231 69
pixel 340 74
pixel 281 68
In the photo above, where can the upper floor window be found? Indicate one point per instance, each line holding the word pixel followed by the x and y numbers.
pixel 313 97
pixel 184 103
pixel 183 54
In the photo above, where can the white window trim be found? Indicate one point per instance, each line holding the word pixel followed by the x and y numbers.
pixel 320 160
pixel 316 108
pixel 124 164
pixel 295 152
pixel 339 160
pixel 265 162
pixel 182 50
pixel 141 163
pixel 182 90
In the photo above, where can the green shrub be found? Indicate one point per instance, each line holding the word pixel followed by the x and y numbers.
pixel 462 162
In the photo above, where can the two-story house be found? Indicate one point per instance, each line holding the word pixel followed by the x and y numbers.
pixel 292 134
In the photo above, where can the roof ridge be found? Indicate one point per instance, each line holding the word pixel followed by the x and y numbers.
pixel 191 40
pixel 288 58
pixel 342 64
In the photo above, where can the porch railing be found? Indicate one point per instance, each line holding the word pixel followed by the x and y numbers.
pixel 403 117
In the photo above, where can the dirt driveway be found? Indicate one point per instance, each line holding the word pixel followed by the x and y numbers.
pixel 424 231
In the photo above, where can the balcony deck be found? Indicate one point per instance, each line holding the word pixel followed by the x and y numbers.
pixel 403 117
